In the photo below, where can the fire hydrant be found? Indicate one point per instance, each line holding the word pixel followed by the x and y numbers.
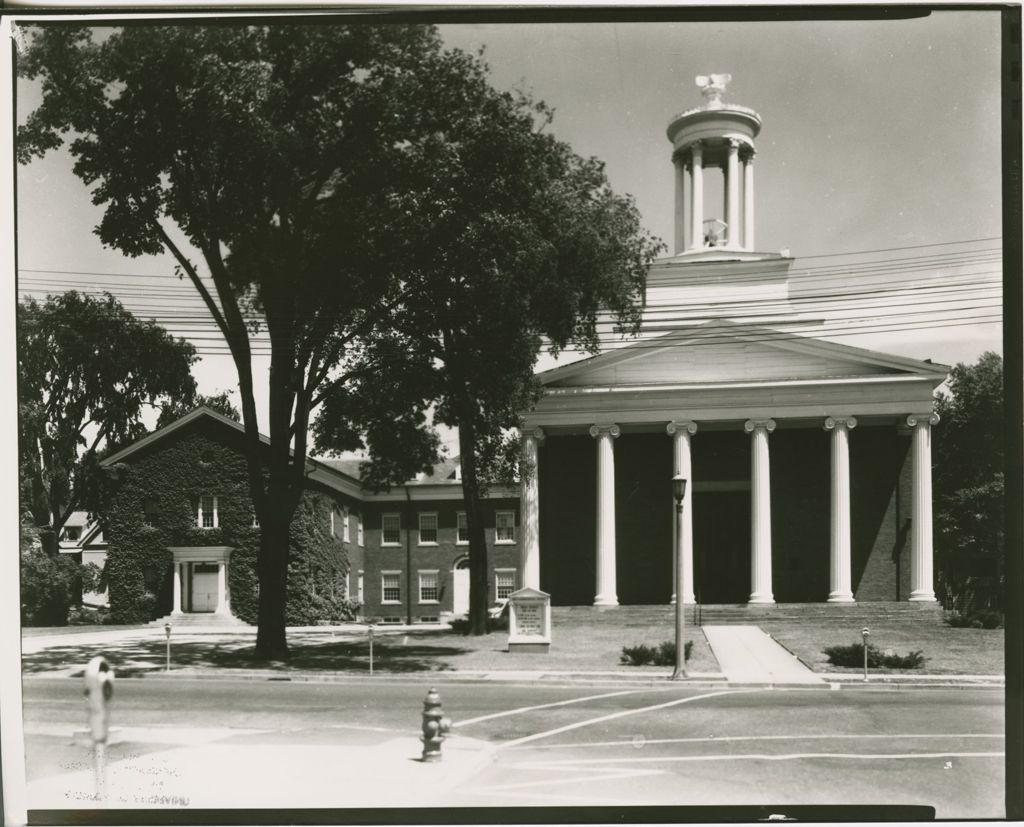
pixel 435 725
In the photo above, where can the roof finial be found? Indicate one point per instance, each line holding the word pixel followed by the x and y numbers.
pixel 713 87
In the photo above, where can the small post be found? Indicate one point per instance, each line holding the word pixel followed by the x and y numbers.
pixel 99 689
pixel 167 631
pixel 864 634
pixel 370 630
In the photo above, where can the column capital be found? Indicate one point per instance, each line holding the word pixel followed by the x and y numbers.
pixel 734 143
pixel 833 422
pixel 536 432
pixel 602 430
pixel 759 424
pixel 748 154
pixel 696 150
pixel 681 425
pixel 929 418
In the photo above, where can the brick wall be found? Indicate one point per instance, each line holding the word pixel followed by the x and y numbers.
pixel 441 557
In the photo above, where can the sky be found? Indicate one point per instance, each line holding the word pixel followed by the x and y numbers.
pixel 876 136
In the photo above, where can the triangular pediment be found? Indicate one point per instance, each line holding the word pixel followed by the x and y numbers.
pixel 720 351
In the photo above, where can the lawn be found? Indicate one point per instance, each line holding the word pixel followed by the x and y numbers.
pixel 949 651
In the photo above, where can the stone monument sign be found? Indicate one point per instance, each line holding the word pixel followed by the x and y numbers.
pixel 529 621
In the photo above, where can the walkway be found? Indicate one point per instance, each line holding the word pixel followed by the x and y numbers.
pixel 747 655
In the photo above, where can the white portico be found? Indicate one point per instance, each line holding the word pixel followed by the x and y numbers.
pixel 200 580
pixel 809 461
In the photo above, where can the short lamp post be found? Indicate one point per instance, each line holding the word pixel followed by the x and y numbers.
pixel 679 492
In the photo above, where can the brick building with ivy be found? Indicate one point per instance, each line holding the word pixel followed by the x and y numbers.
pixel 182 536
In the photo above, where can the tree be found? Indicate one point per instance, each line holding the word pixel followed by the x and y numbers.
pixel 87 368
pixel 174 409
pixel 968 483
pixel 252 154
pixel 506 239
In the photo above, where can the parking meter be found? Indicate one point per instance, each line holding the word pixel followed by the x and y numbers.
pixel 99 689
pixel 864 634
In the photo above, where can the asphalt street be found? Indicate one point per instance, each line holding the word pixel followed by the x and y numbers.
pixel 573 745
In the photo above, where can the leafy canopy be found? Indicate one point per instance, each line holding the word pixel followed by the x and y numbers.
pixel 87 369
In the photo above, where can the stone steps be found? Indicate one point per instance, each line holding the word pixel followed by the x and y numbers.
pixel 197 619
pixel 863 614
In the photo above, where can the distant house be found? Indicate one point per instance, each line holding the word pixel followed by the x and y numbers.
pixel 83 539
pixel 182 536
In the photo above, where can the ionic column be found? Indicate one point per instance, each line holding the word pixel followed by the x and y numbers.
pixel 696 197
pixel 840 581
pixel 760 512
pixel 748 200
pixel 222 590
pixel 682 465
pixel 605 587
pixel 176 610
pixel 922 588
pixel 680 225
pixel 732 193
pixel 529 560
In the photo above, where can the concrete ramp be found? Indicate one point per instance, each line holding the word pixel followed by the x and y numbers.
pixel 747 655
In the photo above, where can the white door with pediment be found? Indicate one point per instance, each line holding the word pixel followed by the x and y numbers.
pixel 460 590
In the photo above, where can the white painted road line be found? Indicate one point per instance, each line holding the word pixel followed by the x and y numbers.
pixel 621 714
pixel 794 756
pixel 641 742
pixel 522 709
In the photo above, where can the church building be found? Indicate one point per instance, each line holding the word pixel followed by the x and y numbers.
pixel 809 462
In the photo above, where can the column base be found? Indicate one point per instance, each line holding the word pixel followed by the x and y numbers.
pixel 841 597
pixel 689 600
pixel 922 597
pixel 762 599
pixel 606 600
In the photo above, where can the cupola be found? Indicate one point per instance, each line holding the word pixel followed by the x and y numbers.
pixel 715 135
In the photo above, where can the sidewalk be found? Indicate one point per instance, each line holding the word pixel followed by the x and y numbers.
pixel 226 768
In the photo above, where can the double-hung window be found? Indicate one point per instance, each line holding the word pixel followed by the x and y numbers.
pixel 428 529
pixel 391 530
pixel 504 583
pixel 428 587
pixel 390 587
pixel 344 526
pixel 206 516
pixel 462 531
pixel 359 529
pixel 504 527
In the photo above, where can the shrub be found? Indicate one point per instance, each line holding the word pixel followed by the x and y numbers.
pixel 664 654
pixel 50 585
pixel 82 616
pixel 460 625
pixel 977 619
pixel 853 656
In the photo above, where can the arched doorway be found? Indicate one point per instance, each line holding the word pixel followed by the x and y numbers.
pixel 460 587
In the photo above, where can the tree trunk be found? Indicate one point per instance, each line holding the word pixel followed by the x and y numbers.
pixel 475 523
pixel 272 568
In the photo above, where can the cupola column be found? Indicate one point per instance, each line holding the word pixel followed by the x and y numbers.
pixel 748 199
pixel 679 239
pixel 696 197
pixel 732 192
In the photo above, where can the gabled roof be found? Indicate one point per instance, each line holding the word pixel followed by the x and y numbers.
pixel 721 351
pixel 315 469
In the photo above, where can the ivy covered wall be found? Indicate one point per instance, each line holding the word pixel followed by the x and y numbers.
pixel 154 502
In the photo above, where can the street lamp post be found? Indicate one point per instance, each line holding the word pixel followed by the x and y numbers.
pixel 679 492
